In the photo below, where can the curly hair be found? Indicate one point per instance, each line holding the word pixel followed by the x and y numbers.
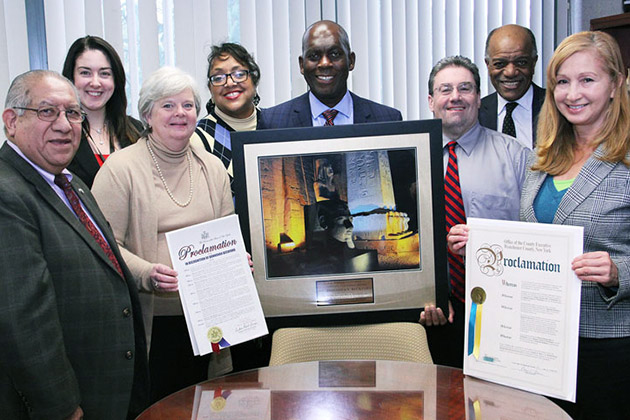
pixel 240 54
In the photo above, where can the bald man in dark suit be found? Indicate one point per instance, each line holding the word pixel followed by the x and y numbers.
pixel 71 333
pixel 511 57
pixel 326 62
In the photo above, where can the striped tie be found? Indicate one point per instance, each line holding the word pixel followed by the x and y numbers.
pixel 455 214
pixel 330 115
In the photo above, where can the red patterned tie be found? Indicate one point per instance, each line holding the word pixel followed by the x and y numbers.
pixel 455 214
pixel 63 183
pixel 330 115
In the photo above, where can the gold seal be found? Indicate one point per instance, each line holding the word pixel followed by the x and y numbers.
pixel 478 295
pixel 218 404
pixel 215 335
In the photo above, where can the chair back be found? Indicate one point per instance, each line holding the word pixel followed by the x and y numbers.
pixel 405 341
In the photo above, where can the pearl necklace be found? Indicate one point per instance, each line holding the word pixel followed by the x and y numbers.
pixel 168 190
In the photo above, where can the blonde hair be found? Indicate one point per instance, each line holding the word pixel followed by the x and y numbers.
pixel 555 134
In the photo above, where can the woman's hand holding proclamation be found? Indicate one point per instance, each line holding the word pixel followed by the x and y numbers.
pixel 596 266
pixel 164 278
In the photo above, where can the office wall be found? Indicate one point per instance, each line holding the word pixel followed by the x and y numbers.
pixel 582 11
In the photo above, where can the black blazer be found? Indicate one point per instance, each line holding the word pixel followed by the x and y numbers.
pixel 297 113
pixel 84 165
pixel 488 110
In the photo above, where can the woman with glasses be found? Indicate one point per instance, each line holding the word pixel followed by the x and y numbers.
pixel 233 76
pixel 96 70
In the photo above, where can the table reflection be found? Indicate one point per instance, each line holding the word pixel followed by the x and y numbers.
pixel 352 390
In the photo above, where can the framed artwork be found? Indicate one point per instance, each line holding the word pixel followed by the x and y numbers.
pixel 345 224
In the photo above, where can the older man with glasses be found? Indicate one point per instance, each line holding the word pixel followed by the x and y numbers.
pixel 71 335
pixel 484 171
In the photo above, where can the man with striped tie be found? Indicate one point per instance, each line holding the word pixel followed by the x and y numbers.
pixel 484 171
pixel 72 342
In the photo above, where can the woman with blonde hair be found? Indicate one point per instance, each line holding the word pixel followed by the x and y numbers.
pixel 580 176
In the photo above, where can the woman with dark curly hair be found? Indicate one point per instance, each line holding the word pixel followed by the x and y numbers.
pixel 233 76
pixel 96 70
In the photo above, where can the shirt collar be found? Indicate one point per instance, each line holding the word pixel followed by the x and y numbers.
pixel 344 106
pixel 525 101
pixel 468 140
pixel 50 178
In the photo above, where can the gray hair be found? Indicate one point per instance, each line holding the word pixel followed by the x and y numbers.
pixel 530 35
pixel 344 40
pixel 164 82
pixel 455 61
pixel 19 94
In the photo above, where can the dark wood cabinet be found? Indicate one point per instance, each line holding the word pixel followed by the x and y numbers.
pixel 619 27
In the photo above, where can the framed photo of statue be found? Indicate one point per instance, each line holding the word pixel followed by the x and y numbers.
pixel 345 224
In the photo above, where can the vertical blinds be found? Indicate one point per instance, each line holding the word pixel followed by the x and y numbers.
pixel 396 41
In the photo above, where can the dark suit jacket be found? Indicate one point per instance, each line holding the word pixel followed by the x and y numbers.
pixel 84 164
pixel 297 113
pixel 71 330
pixel 488 110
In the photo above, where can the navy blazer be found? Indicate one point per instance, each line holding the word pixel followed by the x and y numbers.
pixel 488 110
pixel 71 330
pixel 297 113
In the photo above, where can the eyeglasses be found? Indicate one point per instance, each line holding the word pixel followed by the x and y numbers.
pixel 465 88
pixel 237 76
pixel 51 113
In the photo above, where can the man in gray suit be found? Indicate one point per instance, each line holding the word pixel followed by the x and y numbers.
pixel 71 334
pixel 511 56
pixel 326 62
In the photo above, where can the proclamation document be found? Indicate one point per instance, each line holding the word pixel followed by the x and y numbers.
pixel 523 305
pixel 216 286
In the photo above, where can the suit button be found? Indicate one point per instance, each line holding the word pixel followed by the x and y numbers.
pixel 126 313
pixel 129 355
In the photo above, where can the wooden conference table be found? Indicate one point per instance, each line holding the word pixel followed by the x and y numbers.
pixel 365 390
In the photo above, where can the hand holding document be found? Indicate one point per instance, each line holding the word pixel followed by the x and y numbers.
pixel 216 287
pixel 523 305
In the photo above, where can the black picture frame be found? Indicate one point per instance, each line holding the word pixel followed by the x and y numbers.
pixel 282 164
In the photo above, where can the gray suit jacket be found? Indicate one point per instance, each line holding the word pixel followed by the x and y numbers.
pixel 488 110
pixel 598 200
pixel 297 113
pixel 71 329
